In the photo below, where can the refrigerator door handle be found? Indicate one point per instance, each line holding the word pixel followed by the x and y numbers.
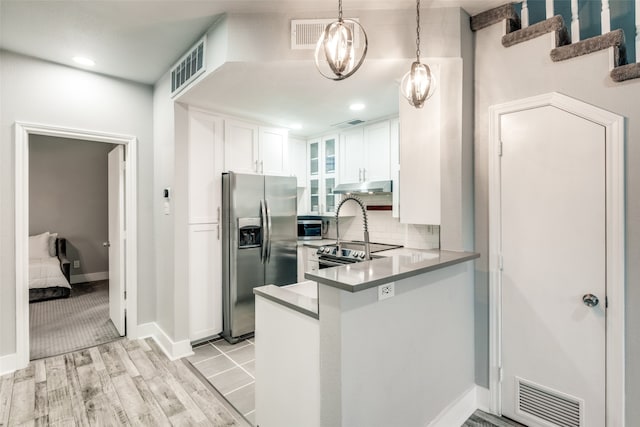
pixel 268 259
pixel 265 231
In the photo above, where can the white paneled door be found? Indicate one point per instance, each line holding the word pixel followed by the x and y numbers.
pixel 553 257
pixel 116 238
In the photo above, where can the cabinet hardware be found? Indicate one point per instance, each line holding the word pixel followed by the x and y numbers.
pixel 261 166
pixel 255 166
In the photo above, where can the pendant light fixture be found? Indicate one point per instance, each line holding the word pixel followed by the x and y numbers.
pixel 336 50
pixel 419 83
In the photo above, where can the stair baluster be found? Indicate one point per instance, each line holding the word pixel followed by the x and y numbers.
pixel 575 22
pixel 549 8
pixel 524 14
pixel 605 17
pixel 637 30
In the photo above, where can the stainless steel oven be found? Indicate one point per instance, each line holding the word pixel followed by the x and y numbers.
pixel 309 228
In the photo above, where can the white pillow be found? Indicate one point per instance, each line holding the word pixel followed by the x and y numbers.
pixel 39 246
pixel 52 244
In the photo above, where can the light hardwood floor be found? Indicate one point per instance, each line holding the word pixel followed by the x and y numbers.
pixel 126 382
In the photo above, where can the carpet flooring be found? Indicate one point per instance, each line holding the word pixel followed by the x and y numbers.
pixel 64 325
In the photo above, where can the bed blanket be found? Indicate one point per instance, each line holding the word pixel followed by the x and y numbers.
pixel 46 273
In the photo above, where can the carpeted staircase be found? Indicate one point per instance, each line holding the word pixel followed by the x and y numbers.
pixel 564 48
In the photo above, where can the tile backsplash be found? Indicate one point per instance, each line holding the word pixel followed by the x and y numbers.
pixel 383 228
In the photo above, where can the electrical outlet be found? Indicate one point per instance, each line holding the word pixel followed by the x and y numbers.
pixel 386 291
pixel 76 263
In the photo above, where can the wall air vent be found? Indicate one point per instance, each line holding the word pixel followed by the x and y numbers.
pixel 550 407
pixel 348 123
pixel 306 32
pixel 188 68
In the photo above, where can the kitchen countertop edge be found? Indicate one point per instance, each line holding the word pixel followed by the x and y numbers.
pixel 297 302
pixel 452 258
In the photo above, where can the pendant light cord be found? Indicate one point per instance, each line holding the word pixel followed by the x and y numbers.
pixel 340 10
pixel 417 29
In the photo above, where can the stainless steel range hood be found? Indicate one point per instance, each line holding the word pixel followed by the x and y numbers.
pixel 367 187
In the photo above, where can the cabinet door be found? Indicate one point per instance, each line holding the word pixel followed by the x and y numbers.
pixel 313 195
pixel 298 160
pixel 274 152
pixel 351 156
pixel 240 147
pixel 204 172
pixel 302 262
pixel 394 126
pixel 205 283
pixel 377 152
pixel 420 161
pixel 329 179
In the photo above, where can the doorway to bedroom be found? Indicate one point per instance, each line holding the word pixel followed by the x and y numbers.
pixel 74 210
pixel 117 284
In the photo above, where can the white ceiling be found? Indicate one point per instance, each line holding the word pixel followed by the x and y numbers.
pixel 139 40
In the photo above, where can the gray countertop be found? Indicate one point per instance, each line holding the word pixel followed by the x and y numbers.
pixel 301 297
pixel 396 264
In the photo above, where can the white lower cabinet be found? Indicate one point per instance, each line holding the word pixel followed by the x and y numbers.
pixel 205 281
pixel 302 263
pixel 312 259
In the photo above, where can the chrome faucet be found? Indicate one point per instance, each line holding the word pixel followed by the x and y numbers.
pixel 367 251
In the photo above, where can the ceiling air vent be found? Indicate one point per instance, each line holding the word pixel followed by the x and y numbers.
pixel 306 32
pixel 190 66
pixel 347 123
pixel 551 407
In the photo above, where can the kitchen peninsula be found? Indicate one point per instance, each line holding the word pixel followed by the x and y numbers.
pixel 376 343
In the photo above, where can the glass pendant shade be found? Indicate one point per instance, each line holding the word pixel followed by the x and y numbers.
pixel 418 84
pixel 336 53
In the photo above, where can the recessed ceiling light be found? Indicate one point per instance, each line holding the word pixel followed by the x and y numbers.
pixel 357 106
pixel 84 61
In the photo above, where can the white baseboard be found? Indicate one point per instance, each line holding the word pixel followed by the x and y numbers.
pixel 7 364
pixel 89 277
pixel 173 350
pixel 459 410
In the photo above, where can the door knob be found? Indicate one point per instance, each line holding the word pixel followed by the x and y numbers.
pixel 590 300
pixel 106 244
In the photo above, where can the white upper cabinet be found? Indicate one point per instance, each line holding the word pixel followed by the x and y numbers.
pixel 377 149
pixel 240 147
pixel 323 176
pixel 351 155
pixel 204 167
pixel 273 151
pixel 298 160
pixel 420 131
pixel 365 153
pixel 249 148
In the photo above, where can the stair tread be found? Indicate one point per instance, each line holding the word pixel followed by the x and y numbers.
pixel 614 39
pixel 495 15
pixel 625 72
pixel 553 24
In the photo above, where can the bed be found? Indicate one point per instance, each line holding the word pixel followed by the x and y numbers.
pixel 49 268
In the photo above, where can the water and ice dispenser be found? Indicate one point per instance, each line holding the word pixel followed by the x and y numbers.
pixel 249 233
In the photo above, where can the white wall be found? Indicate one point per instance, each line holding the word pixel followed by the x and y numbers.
pixel 506 74
pixel 391 362
pixel 45 93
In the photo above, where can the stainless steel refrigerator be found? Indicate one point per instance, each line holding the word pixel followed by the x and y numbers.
pixel 259 243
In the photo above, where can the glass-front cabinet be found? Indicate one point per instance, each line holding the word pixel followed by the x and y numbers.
pixel 323 175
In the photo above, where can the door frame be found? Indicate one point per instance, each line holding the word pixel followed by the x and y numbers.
pixel 615 245
pixel 21 137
